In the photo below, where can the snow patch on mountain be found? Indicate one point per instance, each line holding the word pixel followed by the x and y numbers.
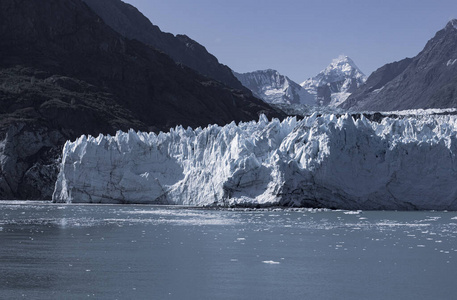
pixel 320 161
pixel 451 62
pixel 452 23
pixel 338 98
pixel 333 85
pixel 275 88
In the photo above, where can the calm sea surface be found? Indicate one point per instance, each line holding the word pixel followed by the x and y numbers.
pixel 50 251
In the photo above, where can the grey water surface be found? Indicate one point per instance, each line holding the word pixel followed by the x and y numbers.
pixel 50 251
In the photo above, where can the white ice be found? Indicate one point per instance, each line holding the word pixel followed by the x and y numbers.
pixel 321 161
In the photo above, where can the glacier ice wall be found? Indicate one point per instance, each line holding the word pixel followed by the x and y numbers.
pixel 320 161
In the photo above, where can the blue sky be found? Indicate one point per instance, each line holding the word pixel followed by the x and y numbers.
pixel 300 38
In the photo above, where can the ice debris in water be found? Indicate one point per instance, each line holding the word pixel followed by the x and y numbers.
pixel 271 262
pixel 334 161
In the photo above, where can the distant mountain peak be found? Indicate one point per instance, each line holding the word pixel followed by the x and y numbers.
pixel 340 68
pixel 266 71
pixel 342 59
pixel 336 82
pixel 274 88
pixel 344 65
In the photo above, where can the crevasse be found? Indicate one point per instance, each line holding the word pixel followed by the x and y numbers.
pixel 320 161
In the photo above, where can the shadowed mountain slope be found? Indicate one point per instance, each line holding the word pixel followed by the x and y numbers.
pixel 131 23
pixel 428 80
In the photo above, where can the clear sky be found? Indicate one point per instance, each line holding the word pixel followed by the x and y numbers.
pixel 300 38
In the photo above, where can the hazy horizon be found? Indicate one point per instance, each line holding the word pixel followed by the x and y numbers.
pixel 300 38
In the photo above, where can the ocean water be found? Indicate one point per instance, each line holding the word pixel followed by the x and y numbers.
pixel 50 251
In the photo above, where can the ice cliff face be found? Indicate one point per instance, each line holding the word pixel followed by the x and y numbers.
pixel 321 161
pixel 334 84
pixel 274 88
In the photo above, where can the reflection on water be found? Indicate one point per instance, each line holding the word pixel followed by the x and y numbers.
pixel 51 251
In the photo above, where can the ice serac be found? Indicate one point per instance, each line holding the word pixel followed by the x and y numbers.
pixel 346 162
pixel 274 88
pixel 333 85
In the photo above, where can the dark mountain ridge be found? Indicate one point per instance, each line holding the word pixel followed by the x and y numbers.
pixel 428 80
pixel 64 73
pixel 131 23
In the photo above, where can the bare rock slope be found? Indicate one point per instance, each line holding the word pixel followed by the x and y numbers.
pixel 428 80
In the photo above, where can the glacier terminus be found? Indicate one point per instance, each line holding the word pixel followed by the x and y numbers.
pixel 334 161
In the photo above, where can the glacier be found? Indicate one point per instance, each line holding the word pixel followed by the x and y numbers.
pixel 332 161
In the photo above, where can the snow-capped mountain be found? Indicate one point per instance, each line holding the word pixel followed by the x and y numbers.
pixel 274 88
pixel 334 84
pixel 333 161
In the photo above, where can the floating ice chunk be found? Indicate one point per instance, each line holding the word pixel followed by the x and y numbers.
pixel 352 212
pixel 271 262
